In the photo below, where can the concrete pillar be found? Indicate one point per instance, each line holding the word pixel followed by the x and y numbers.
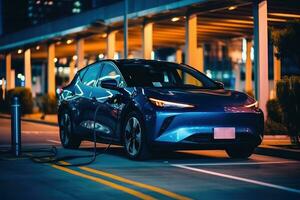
pixel 80 55
pixel 277 67
pixel 72 70
pixel 191 40
pixel 219 50
pixel 178 55
pixel 51 69
pixel 8 71
pixel 43 78
pixel 200 59
pixel 237 72
pixel 111 44
pixel 27 69
pixel 3 88
pixel 248 67
pixel 13 78
pixel 147 40
pixel 261 53
pixel 125 32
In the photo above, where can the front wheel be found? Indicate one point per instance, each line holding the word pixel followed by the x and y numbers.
pixel 67 138
pixel 135 142
pixel 240 151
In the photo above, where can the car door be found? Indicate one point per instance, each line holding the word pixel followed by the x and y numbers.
pixel 84 89
pixel 108 102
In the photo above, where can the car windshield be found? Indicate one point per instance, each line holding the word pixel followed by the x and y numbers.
pixel 164 75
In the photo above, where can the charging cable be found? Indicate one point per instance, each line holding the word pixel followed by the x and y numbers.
pixel 51 156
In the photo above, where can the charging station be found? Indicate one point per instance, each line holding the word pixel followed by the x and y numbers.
pixel 16 126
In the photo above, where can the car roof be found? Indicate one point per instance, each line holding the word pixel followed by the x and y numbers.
pixel 139 60
pixel 124 62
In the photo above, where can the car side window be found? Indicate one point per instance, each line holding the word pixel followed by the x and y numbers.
pixel 91 74
pixel 188 79
pixel 111 72
pixel 191 80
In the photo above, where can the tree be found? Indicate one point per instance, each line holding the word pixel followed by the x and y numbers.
pixel 287 40
pixel 288 94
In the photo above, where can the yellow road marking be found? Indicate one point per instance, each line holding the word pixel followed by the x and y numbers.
pixel 107 183
pixel 135 183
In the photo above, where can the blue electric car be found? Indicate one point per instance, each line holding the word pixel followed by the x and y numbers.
pixel 148 105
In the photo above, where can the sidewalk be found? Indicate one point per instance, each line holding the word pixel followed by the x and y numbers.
pixel 278 146
pixel 36 118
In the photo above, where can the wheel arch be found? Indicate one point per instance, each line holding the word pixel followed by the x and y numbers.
pixel 131 107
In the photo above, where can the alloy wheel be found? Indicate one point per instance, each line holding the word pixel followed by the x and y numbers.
pixel 65 128
pixel 133 136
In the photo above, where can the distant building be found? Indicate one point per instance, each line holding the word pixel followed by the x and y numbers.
pixel 42 11
pixel 13 15
pixel 17 15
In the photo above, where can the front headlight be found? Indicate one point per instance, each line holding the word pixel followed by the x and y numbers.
pixel 168 104
pixel 252 105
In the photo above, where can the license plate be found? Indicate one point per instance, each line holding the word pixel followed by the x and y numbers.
pixel 224 133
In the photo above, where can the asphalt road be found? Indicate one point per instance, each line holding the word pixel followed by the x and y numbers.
pixel 179 175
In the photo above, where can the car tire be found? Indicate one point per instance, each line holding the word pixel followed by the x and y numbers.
pixel 134 140
pixel 240 151
pixel 67 138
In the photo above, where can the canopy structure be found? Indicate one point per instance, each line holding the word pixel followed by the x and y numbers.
pixel 203 33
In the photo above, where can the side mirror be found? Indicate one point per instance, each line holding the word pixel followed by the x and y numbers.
pixel 220 84
pixel 110 84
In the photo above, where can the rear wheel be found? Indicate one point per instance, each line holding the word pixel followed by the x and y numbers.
pixel 240 151
pixel 67 138
pixel 135 142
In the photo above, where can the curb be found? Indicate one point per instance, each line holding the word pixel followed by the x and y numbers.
pixel 274 137
pixel 32 120
pixel 278 152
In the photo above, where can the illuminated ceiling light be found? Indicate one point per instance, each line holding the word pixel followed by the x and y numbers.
pixel 20 51
pixel 175 19
pixel 55 60
pixel 232 7
pixel 101 56
pixel 284 15
pixel 74 57
pixel 276 20
pixel 76 10
pixel 116 55
pixel 50 3
pixel 152 55
pixel 77 3
pixel 60 69
pixel 104 35
pixel 37 47
pixel 22 78
pixel 69 41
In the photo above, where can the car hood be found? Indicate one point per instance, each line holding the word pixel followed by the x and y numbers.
pixel 200 97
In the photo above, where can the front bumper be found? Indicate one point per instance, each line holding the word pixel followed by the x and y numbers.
pixel 196 129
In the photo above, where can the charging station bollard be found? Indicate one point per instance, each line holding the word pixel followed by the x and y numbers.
pixel 15 126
